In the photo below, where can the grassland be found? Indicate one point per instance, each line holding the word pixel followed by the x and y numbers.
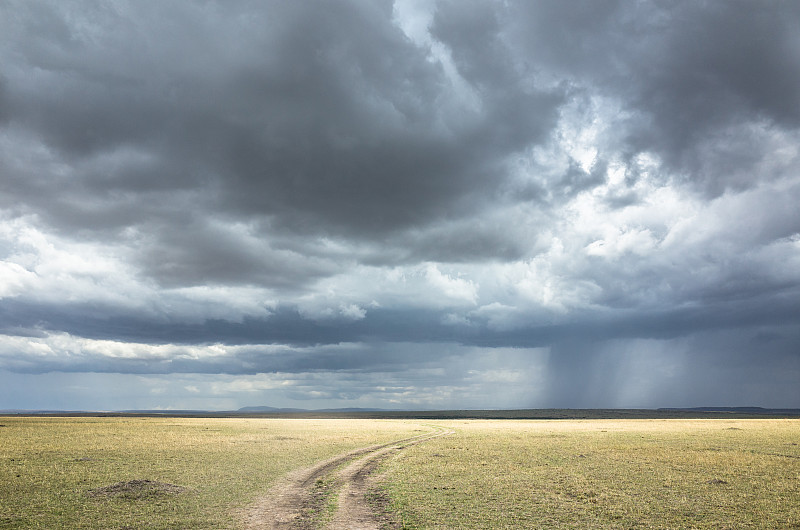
pixel 602 474
pixel 134 472
pixel 158 472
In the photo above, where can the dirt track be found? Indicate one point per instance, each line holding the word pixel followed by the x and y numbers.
pixel 298 501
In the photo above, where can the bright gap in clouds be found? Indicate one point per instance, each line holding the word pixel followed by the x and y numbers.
pixel 399 204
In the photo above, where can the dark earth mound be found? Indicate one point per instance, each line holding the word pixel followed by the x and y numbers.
pixel 137 489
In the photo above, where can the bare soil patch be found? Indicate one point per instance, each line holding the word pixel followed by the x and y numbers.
pixel 298 501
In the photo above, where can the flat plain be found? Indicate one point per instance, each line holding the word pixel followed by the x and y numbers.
pixel 144 472
pixel 713 473
pixel 166 472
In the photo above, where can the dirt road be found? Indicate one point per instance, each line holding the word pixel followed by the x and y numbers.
pixel 301 500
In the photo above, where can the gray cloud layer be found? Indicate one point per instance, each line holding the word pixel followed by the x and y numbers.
pixel 580 181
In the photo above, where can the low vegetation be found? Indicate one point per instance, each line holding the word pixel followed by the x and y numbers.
pixel 135 472
pixel 602 474
pixel 159 472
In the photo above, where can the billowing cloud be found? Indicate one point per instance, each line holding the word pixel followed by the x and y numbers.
pixel 402 203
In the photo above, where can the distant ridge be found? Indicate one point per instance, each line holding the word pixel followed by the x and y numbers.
pixel 367 413
pixel 737 410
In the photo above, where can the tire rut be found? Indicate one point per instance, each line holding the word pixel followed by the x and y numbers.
pixel 297 500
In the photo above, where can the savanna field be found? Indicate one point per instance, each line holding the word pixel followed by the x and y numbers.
pixel 135 472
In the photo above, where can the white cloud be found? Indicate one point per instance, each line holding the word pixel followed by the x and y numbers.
pixel 250 384
pixel 453 288
pixel 14 279
pixel 68 350
pixel 352 312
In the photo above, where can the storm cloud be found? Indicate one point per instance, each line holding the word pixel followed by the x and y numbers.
pixel 399 204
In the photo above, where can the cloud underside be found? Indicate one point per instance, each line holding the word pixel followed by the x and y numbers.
pixel 352 192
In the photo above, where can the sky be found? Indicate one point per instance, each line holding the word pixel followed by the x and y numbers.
pixel 410 204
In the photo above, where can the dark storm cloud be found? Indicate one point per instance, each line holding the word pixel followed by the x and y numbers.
pixel 697 75
pixel 202 251
pixel 368 186
pixel 330 121
pixel 288 327
pixel 709 367
pixel 324 120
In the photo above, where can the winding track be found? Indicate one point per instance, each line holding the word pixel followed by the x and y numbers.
pixel 290 504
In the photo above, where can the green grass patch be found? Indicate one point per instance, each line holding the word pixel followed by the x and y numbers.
pixel 602 474
pixel 140 472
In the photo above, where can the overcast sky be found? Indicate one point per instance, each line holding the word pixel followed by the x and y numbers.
pixel 410 204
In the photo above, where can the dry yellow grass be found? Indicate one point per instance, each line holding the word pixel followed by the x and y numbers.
pixel 196 472
pixel 603 474
pixel 159 472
